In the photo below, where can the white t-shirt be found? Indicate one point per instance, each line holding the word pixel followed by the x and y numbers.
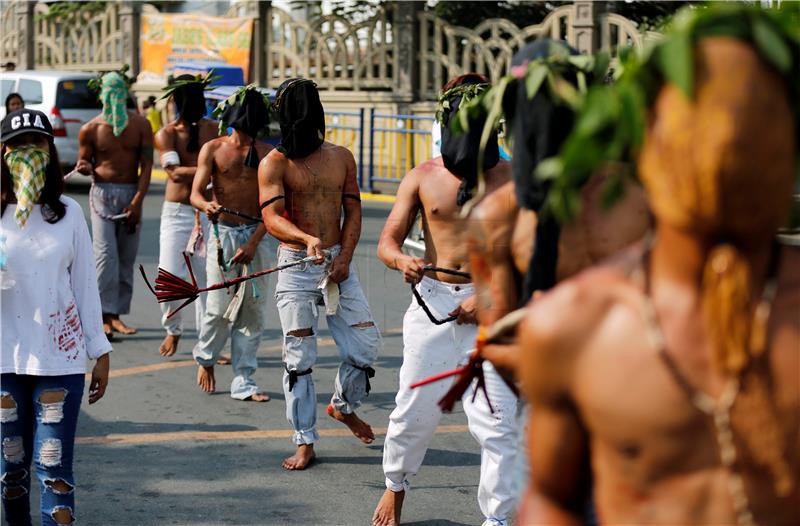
pixel 49 306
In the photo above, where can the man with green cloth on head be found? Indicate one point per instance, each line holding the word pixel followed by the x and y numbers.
pixel 116 150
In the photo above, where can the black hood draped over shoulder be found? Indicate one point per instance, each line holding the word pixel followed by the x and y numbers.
pixel 460 152
pixel 190 102
pixel 301 117
pixel 250 116
pixel 538 127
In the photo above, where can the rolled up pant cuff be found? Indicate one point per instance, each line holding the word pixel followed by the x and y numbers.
pixel 342 406
pixel 306 436
pixel 397 488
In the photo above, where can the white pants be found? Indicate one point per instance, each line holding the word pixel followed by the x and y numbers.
pixel 246 324
pixel 430 349
pixel 177 223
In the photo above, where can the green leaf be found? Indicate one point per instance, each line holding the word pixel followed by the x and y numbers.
pixel 676 62
pixel 534 79
pixel 600 67
pixel 549 169
pixel 771 44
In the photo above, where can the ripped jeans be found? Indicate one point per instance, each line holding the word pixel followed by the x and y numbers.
pixel 352 327
pixel 38 417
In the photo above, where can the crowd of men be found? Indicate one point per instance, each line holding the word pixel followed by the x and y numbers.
pixel 612 327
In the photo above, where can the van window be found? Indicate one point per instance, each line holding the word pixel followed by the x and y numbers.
pixel 76 95
pixel 6 87
pixel 31 91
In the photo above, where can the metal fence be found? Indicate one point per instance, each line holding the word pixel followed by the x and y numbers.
pixel 397 144
pixel 346 128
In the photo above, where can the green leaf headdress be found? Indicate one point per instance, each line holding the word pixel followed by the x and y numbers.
pixel 238 98
pixel 96 83
pixel 611 122
pixel 556 68
pixel 205 82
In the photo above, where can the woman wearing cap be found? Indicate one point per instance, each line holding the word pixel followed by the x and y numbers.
pixel 52 322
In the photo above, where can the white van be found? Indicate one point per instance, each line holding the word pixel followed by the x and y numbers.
pixel 64 96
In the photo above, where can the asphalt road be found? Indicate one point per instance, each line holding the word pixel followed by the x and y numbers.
pixel 156 450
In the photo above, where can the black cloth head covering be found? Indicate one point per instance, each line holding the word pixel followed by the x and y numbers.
pixel 250 116
pixel 190 102
pixel 460 152
pixel 538 128
pixel 301 117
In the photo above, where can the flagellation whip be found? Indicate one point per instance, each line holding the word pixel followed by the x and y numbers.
pixel 169 287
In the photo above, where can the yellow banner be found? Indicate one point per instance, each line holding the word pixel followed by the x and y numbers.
pixel 171 38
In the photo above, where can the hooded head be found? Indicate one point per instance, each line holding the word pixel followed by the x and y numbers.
pixel 301 117
pixel 460 152
pixel 114 97
pixel 190 103
pixel 538 126
pixel 249 114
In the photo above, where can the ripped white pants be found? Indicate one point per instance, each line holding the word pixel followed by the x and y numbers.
pixel 353 329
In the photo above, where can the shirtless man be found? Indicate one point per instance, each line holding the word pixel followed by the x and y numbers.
pixel 438 188
pixel 305 184
pixel 239 246
pixel 675 368
pixel 116 149
pixel 179 144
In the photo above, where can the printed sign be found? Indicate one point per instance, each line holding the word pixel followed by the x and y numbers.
pixel 171 38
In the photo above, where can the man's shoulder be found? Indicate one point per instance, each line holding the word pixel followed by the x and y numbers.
pixel 497 205
pixel 565 318
pixel 430 167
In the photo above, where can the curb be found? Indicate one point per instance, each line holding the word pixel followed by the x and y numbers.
pixel 160 175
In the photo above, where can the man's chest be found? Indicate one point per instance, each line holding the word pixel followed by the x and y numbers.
pixel 305 183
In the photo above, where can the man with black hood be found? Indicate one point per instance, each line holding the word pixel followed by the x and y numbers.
pixel 305 186
pixel 179 144
pixel 439 328
pixel 229 163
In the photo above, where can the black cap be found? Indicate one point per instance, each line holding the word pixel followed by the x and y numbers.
pixel 25 121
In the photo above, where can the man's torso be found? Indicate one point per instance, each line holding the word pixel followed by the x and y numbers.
pixel 116 159
pixel 179 191
pixel 235 185
pixel 655 456
pixel 313 187
pixel 444 228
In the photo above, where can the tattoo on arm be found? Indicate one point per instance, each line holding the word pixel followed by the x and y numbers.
pixel 147 151
pixel 270 201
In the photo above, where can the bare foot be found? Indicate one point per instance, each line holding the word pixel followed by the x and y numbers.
pixel 387 512
pixel 360 429
pixel 108 331
pixel 223 360
pixel 119 326
pixel 205 379
pixel 257 397
pixel 301 459
pixel 170 345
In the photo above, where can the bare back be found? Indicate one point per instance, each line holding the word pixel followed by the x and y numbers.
pixel 116 159
pixel 175 137
pixel 235 185
pixel 597 379
pixel 444 227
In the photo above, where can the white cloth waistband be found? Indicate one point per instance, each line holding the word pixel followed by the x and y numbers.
pixel 454 289
pixel 170 158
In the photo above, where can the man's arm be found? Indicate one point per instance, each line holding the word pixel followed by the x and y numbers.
pixel 351 228
pixel 272 197
pixel 397 227
pixel 165 143
pixel 205 166
pixel 85 164
pixel 558 445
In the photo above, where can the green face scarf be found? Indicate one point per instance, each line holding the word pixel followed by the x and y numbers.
pixel 28 166
pixel 114 95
